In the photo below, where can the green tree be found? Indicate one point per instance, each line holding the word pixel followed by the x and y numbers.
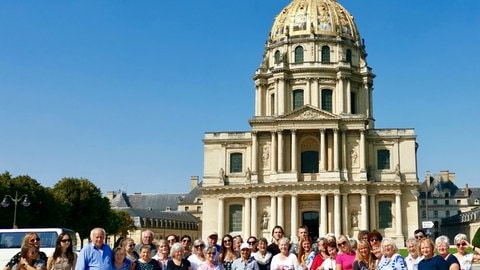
pixel 83 204
pixel 121 223
pixel 42 211
pixel 476 238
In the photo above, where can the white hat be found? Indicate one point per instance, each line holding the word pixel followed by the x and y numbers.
pixel 244 245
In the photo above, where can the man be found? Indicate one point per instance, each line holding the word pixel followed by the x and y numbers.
pixel 302 233
pixel 96 255
pixel 419 234
pixel 277 233
pixel 147 239
pixel 212 242
pixel 245 262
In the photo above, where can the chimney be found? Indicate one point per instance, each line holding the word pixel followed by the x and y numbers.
pixel 193 182
pixel 110 195
pixel 467 192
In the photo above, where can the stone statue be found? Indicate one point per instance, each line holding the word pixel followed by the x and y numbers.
pixel 354 219
pixel 264 224
pixel 248 174
pixel 221 175
pixel 398 174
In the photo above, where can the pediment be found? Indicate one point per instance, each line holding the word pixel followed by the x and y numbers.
pixel 308 113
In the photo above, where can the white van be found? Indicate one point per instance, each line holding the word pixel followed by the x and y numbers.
pixel 11 241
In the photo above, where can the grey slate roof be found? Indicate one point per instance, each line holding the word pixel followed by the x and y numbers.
pixel 160 202
pixel 192 196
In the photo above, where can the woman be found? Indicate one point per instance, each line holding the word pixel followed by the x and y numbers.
pixel 322 247
pixel 443 245
pixel 237 242
pixel 177 262
pixel 210 262
pixel 413 257
pixel 63 258
pixel 329 263
pixel 227 254
pixel 391 259
pixel 29 238
pixel 345 259
pixel 465 259
pixel 187 246
pixel 375 238
pixel 198 256
pixel 364 259
pixel 262 256
pixel 29 259
pixel 277 234
pixel 284 260
pixel 163 253
pixel 305 253
pixel 252 242
pixel 145 262
pixel 430 261
pixel 129 245
pixel 120 261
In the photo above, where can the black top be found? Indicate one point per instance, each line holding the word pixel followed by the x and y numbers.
pixel 172 266
pixel 273 248
pixel 16 258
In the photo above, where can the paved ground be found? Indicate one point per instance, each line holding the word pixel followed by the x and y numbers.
pixel 476 266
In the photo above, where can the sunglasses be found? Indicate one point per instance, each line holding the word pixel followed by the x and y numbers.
pixel 211 253
pixel 131 245
pixel 171 240
pixel 66 240
pixel 374 240
pixel 227 241
pixel 198 246
pixel 419 236
pixel 251 242
pixel 342 243
pixel 461 245
pixel 35 240
pixel 186 241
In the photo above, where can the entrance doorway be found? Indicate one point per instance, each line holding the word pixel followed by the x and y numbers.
pixel 310 219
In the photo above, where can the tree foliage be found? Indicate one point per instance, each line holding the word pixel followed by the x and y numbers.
pixel 476 238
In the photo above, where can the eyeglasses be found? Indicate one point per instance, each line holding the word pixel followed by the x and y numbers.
pixel 461 245
pixel 227 241
pixel 374 240
pixel 171 240
pixel 186 240
pixel 211 253
pixel 198 246
pixel 342 243
pixel 66 240
pixel 419 236
pixel 251 242
pixel 131 245
pixel 35 240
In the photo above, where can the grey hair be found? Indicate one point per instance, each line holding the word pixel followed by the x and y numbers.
pixel 97 229
pixel 176 247
pixel 442 239
pixel 459 237
pixel 209 249
pixel 389 241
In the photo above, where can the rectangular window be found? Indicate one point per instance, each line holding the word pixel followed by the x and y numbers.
pixel 186 208
pixel 424 214
pixel 327 103
pixel 297 99
pixel 447 213
pixel 435 214
pixel 435 202
pixel 385 214
pixel 383 159
pixel 458 202
pixel 199 209
pixel 447 202
pixel 353 103
pixel 235 221
pixel 235 163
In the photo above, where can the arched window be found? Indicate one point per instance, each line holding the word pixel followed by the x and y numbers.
pixel 325 55
pixel 235 163
pixel 278 57
pixel 309 162
pixel 327 100
pixel 348 56
pixel 297 99
pixel 299 54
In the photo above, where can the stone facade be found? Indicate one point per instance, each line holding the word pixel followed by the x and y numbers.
pixel 313 155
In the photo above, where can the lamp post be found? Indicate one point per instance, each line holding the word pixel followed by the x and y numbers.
pixel 15 200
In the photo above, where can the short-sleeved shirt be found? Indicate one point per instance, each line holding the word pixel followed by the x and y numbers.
pixel 183 266
pixel 434 263
pixel 346 260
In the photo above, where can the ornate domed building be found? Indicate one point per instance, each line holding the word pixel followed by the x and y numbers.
pixel 313 156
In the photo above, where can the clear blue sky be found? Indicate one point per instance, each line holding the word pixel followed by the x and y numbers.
pixel 122 92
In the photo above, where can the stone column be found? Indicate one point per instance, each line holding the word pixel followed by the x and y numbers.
pixel 254 214
pixel 336 153
pixel 340 92
pixel 308 91
pixel 349 97
pixel 373 212
pixel 280 210
pixel 364 218
pixel 280 151
pixel 323 214
pixel 221 216
pixel 294 218
pixel 294 150
pixel 247 218
pixel 362 150
pixel 315 94
pixel 281 97
pixel 345 214
pixel 273 156
pixel 398 214
pixel 337 214
pixel 273 212
pixel 254 158
pixel 322 150
pixel 344 152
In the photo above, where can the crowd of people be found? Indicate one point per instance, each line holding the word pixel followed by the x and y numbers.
pixel 370 251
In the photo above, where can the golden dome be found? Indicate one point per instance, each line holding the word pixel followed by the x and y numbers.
pixel 318 17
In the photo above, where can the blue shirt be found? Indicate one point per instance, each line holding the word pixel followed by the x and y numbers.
pixel 91 257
